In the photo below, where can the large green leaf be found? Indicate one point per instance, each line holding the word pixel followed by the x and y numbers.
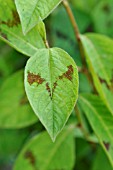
pixel 11 31
pixel 31 12
pixel 101 121
pixel 41 153
pixel 101 161
pixel 99 55
pixel 15 111
pixel 51 83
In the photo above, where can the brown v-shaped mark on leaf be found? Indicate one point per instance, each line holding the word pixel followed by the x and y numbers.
pixel 36 78
pixel 68 75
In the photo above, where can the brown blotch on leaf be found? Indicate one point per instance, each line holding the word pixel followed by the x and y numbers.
pixel 104 81
pixel 14 22
pixel 29 155
pixel 16 19
pixel 3 35
pixel 24 100
pixel 107 145
pixel 32 78
pixel 68 74
pixel 79 125
pixel 48 89
pixel 106 8
pixel 54 86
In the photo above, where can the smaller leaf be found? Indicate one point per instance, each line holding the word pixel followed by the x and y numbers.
pixel 15 111
pixel 100 120
pixel 9 147
pixel 102 16
pixel 101 161
pixel 11 31
pixel 51 84
pixel 99 56
pixel 41 153
pixel 32 12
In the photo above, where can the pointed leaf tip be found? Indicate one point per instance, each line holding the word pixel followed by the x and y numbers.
pixel 32 12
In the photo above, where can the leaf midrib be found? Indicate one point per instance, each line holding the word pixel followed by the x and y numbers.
pixel 106 130
pixel 99 118
pixel 50 73
pixel 14 35
pixel 100 63
pixel 32 15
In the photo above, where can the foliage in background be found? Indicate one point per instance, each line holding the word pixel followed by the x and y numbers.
pixel 87 140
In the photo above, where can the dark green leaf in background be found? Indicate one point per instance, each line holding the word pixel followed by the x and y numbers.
pixel 100 120
pixel 99 56
pixel 102 16
pixel 15 111
pixel 41 153
pixel 101 161
pixel 11 142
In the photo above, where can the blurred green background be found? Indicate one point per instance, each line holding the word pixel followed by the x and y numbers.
pixel 92 16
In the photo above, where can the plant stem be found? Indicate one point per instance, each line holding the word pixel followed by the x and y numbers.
pixel 77 35
pixel 71 16
pixel 46 43
pixel 78 114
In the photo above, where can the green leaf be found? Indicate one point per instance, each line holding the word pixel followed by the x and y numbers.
pixel 90 137
pixel 51 83
pixel 5 55
pixel 15 111
pixel 41 153
pixel 102 16
pixel 9 147
pixel 64 38
pixel 101 161
pixel 101 121
pixel 31 12
pixel 11 31
pixel 85 6
pixel 99 56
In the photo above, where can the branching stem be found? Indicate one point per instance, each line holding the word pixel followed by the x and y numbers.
pixel 85 133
